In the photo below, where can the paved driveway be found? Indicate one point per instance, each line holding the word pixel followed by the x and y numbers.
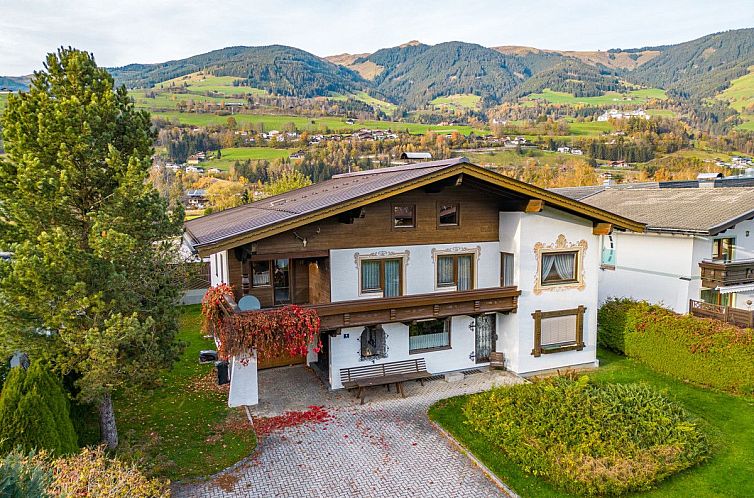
pixel 385 448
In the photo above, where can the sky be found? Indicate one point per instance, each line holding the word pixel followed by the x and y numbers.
pixel 146 31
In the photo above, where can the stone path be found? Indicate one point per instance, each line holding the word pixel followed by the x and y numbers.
pixel 385 448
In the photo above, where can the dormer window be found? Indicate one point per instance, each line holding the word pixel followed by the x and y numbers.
pixel 448 214
pixel 404 216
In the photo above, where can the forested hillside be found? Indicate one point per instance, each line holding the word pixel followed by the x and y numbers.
pixel 574 77
pixel 280 70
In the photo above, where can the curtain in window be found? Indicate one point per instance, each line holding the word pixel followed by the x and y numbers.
pixel 392 278
pixel 507 270
pixel 563 263
pixel 464 273
pixel 445 270
pixel 370 275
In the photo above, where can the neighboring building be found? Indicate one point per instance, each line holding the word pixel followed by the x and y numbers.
pixel 564 150
pixel 444 261
pixel 197 198
pixel 194 169
pixel 698 246
pixel 616 114
pixel 416 156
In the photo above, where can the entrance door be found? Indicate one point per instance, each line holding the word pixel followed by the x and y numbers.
pixel 484 330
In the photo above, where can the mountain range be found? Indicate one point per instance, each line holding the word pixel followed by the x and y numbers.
pixel 413 74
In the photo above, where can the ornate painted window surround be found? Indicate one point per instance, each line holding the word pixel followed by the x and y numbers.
pixel 457 251
pixel 560 245
pixel 376 255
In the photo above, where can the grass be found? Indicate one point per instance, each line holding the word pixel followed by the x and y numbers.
pixel 728 419
pixel 740 93
pixel 458 101
pixel 748 124
pixel 638 97
pixel 383 105
pixel 183 428
pixel 201 83
pixel 589 128
pixel 323 124
pixel 231 155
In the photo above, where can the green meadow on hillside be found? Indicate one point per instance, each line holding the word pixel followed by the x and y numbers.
pixel 634 97
pixel 383 105
pixel 203 83
pixel 458 101
pixel 231 155
pixel 740 93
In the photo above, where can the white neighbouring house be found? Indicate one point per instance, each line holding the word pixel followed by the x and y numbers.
pixel 617 114
pixel 697 253
pixel 443 261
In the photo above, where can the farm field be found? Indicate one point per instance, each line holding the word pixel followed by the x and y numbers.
pixel 383 105
pixel 231 155
pixel 202 83
pixel 302 123
pixel 638 97
pixel 589 128
pixel 511 158
pixel 458 101
pixel 748 124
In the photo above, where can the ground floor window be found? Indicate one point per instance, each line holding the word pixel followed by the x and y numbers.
pixel 560 330
pixel 714 296
pixel 428 335
pixel 373 343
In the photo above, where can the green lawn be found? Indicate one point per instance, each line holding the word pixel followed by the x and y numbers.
pixel 637 97
pixel 728 419
pixel 740 93
pixel 748 124
pixel 590 128
pixel 460 100
pixel 276 122
pixel 183 428
pixel 385 106
pixel 201 83
pixel 230 156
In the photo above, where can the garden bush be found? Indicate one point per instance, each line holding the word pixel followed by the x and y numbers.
pixel 23 476
pixel 699 350
pixel 586 438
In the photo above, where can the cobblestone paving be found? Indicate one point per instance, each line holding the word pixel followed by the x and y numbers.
pixel 385 448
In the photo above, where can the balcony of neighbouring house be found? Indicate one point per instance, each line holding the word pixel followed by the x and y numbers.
pixel 732 276
pixel 735 316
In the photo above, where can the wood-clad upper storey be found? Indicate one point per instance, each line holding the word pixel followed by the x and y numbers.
pixel 348 199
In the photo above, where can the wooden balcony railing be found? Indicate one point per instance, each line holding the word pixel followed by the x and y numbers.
pixel 734 316
pixel 363 312
pixel 726 273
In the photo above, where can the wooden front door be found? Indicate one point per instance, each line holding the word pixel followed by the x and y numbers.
pixel 484 330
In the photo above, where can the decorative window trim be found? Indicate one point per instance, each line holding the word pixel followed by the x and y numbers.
pixel 378 255
pixel 578 344
pixel 392 216
pixel 440 226
pixel 457 251
pixel 560 245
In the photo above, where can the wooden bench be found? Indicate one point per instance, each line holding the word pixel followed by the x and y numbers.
pixel 384 374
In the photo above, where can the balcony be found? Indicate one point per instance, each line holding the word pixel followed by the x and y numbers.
pixel 361 312
pixel 720 273
pixel 734 316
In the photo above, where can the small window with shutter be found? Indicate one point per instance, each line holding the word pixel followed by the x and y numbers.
pixel 561 330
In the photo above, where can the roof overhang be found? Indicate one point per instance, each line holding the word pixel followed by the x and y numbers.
pixel 550 198
pixel 730 289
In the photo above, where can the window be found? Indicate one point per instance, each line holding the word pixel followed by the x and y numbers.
pixel 455 270
pixel 260 274
pixel 608 252
pixel 382 276
pixel 428 335
pixel 281 279
pixel 559 267
pixel 447 214
pixel 373 344
pixel 506 269
pixel 722 249
pixel 404 216
pixel 561 330
pixel 714 296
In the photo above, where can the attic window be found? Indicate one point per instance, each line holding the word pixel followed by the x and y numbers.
pixel 447 214
pixel 404 216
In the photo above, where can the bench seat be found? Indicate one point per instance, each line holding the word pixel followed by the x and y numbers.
pixel 384 374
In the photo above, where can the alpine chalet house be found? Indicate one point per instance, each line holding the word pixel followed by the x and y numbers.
pixel 696 255
pixel 442 262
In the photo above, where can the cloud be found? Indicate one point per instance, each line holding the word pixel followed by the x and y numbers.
pixel 127 31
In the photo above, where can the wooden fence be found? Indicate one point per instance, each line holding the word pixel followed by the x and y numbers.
pixel 734 316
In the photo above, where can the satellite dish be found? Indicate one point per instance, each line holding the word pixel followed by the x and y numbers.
pixel 249 303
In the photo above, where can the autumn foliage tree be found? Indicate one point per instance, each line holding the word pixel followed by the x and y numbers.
pixel 92 282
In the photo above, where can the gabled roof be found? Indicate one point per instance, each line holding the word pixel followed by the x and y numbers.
pixel 703 211
pixel 342 193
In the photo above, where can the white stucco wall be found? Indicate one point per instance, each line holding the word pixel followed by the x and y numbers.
pixel 345 349
pixel 244 386
pixel 664 268
pixel 218 268
pixel 419 267
pixel 519 233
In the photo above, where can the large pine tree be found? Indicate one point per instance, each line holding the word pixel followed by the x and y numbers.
pixel 91 284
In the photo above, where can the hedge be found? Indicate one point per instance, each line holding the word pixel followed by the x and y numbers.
pixel 587 438
pixel 703 351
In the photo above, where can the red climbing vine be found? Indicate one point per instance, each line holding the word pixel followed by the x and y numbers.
pixel 290 329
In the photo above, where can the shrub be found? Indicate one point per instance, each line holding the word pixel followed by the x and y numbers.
pixel 34 412
pixel 92 473
pixel 589 438
pixel 703 351
pixel 23 476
